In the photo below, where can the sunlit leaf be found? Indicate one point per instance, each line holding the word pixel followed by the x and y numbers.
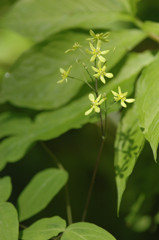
pixel 148 104
pixel 128 145
pixel 151 27
pixel 40 191
pixel 44 229
pixel 86 231
pixel 8 222
pixel 32 82
pixel 48 125
pixel 52 17
pixel 5 188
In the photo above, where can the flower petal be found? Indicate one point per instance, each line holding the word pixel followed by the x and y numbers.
pixel 102 79
pixel 91 97
pixel 60 81
pixel 88 111
pixel 119 90
pixel 114 93
pixel 102 59
pixel 123 104
pixel 96 109
pixel 102 100
pixel 98 44
pixel 98 98
pixel 109 75
pixel 92 33
pixel 93 58
pixel 105 52
pixel 95 69
pixel 130 100
pixel 62 70
pixel 91 46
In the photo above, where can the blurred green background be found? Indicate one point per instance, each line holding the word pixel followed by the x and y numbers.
pixel 140 221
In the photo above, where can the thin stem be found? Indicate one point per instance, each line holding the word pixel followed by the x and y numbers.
pixel 85 67
pixel 60 166
pixel 82 81
pixel 92 181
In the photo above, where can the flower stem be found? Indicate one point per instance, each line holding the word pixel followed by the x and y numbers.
pixel 92 181
pixel 60 166
pixel 89 85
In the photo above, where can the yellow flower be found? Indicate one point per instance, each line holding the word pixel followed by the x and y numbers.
pixel 101 73
pixel 98 36
pixel 95 103
pixel 122 97
pixel 75 46
pixel 96 52
pixel 64 74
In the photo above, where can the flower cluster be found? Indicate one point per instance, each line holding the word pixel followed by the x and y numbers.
pixel 99 60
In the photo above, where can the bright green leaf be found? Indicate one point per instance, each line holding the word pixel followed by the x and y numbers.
pixel 151 27
pixel 148 104
pixel 44 229
pixel 48 125
pixel 52 17
pixel 86 231
pixel 40 191
pixel 5 188
pixel 32 82
pixel 128 145
pixel 8 222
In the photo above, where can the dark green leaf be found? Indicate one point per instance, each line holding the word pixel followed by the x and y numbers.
pixel 5 188
pixel 48 17
pixel 128 145
pixel 148 104
pixel 40 191
pixel 8 222
pixel 44 229
pixel 86 231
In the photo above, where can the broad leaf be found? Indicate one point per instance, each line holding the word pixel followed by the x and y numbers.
pixel 5 188
pixel 44 229
pixel 86 231
pixel 151 28
pixel 51 124
pixel 32 82
pixel 8 222
pixel 148 104
pixel 40 191
pixel 52 17
pixel 128 145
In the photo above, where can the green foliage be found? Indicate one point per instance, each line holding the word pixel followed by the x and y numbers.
pixel 8 222
pixel 44 229
pixel 35 108
pixel 87 231
pixel 56 18
pixel 5 188
pixel 40 191
pixel 38 89
pixel 147 104
pixel 128 145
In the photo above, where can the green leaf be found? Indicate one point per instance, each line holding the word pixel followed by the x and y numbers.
pixel 40 191
pixel 86 231
pixel 44 229
pixel 5 188
pixel 51 18
pixel 151 27
pixel 32 82
pixel 128 145
pixel 8 222
pixel 48 125
pixel 147 104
